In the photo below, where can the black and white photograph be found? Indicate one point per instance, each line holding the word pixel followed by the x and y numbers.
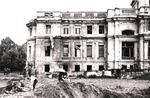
pixel 75 49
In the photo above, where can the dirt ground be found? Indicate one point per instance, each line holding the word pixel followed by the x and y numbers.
pixel 110 84
pixel 84 86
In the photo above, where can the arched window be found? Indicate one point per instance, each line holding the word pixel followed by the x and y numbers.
pixel 128 32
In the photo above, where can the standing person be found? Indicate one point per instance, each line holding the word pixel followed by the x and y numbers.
pixel 60 76
pixel 33 81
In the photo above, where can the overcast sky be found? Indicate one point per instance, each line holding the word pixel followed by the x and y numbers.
pixel 15 14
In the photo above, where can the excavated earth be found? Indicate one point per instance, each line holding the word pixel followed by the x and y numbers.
pixel 87 88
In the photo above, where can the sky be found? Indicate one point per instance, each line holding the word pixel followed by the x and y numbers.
pixel 15 14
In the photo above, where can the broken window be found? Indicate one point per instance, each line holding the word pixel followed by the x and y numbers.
pixel 77 67
pixel 89 50
pixel 89 29
pixel 77 51
pixel 77 30
pixel 127 50
pixel 128 32
pixel 66 30
pixel 101 67
pixel 65 50
pixel 47 50
pixel 149 49
pixel 101 50
pixel 48 29
pixel 47 68
pixel 101 29
pixel 89 67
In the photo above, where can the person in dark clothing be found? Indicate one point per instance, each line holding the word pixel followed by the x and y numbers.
pixel 60 76
pixel 34 83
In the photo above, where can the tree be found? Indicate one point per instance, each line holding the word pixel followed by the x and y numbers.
pixel 12 55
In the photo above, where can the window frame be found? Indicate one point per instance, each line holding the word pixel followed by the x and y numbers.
pixel 30 49
pixel 76 49
pixel 101 69
pixel 148 49
pixel 47 50
pixel 148 26
pixel 77 30
pixel 89 29
pixel 99 53
pixel 48 29
pixel 128 48
pixel 89 68
pixel 89 46
pixel 66 30
pixel 77 67
pixel 46 65
pixel 67 49
pixel 128 32
pixel 101 29
pixel 30 31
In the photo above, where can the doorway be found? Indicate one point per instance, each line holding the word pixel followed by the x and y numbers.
pixel 65 67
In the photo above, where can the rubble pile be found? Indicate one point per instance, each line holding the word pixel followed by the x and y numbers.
pixel 81 90
pixel 14 86
pixel 52 88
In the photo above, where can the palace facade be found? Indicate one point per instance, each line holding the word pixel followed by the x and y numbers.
pixel 89 41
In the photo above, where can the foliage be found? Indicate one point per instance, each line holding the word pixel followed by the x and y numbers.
pixel 12 55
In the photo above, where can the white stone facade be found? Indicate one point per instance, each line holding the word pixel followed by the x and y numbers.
pixel 86 41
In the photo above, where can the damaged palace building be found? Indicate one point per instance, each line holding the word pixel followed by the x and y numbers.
pixel 90 41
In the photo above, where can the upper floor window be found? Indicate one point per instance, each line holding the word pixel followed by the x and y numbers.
pixel 48 29
pixel 89 29
pixel 127 50
pixel 101 29
pixel 77 30
pixel 77 51
pixel 30 31
pixel 66 50
pixel 101 50
pixel 29 51
pixel 128 32
pixel 47 50
pixel 148 49
pixel 89 50
pixel 66 30
pixel 148 25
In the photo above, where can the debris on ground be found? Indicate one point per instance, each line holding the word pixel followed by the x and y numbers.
pixel 82 88
pixel 16 85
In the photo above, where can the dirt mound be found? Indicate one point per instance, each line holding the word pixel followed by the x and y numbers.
pixel 81 90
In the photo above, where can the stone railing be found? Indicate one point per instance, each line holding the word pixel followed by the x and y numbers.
pixel 121 12
pixel 74 15
pixel 144 10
